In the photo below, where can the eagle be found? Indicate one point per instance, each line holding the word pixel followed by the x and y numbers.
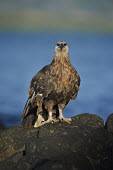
pixel 51 89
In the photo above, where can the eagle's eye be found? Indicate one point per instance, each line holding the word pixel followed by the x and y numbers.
pixel 58 44
pixel 65 44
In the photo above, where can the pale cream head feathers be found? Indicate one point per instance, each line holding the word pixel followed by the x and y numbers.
pixel 61 49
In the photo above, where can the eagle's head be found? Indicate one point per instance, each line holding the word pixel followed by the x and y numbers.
pixel 61 49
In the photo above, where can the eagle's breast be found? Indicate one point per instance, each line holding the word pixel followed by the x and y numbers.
pixel 63 76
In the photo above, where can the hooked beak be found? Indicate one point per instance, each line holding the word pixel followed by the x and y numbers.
pixel 61 46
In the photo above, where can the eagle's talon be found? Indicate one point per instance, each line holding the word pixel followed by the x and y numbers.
pixel 49 121
pixel 62 120
pixel 67 120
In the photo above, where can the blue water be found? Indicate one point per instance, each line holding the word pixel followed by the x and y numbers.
pixel 22 55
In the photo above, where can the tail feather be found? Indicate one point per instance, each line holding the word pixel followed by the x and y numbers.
pixel 28 121
pixel 29 113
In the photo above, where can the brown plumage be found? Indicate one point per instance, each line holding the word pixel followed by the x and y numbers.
pixel 51 89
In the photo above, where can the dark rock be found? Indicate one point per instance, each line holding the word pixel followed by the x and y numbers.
pixel 109 123
pixel 84 144
pixel 13 139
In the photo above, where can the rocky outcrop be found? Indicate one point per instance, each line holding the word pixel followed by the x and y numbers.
pixel 109 123
pixel 84 144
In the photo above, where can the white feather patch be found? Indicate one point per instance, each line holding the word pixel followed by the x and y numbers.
pixel 40 94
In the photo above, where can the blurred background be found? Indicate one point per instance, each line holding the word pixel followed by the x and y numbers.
pixel 29 30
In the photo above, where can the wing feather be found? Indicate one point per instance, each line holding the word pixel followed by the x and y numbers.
pixel 77 86
pixel 40 87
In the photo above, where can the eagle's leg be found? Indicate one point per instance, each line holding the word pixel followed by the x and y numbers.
pixel 49 120
pixel 38 121
pixel 61 117
pixel 49 107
